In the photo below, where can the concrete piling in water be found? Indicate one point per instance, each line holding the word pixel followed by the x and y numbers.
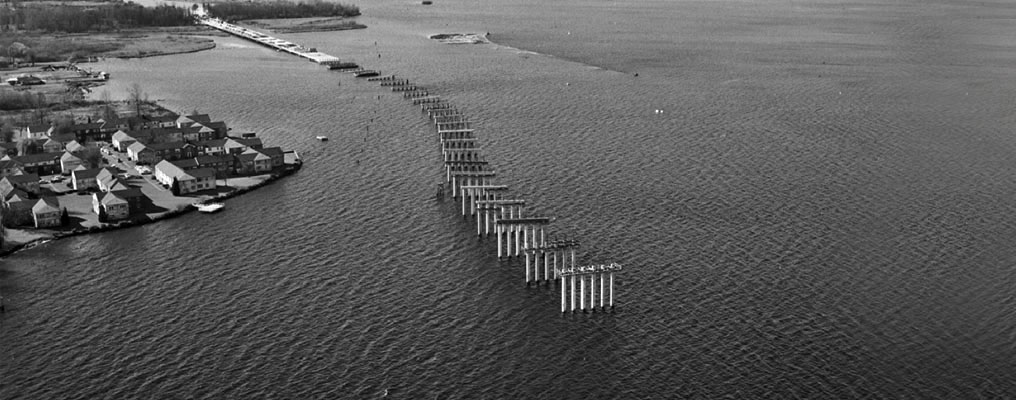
pixel 599 272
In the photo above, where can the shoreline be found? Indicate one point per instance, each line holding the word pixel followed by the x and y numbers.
pixel 106 227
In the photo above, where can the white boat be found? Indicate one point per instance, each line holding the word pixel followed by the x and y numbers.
pixel 322 138
pixel 209 207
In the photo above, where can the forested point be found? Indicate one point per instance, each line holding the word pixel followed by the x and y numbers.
pixel 236 11
pixel 49 18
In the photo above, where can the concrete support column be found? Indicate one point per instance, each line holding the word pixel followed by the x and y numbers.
pixel 572 293
pixel 546 265
pixel 497 230
pixel 564 304
pixel 553 255
pixel 611 290
pixel 600 290
pixel 582 293
pixel 528 270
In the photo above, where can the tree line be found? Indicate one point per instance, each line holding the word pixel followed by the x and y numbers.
pixel 97 18
pixel 235 11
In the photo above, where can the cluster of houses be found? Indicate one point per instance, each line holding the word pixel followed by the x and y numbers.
pixel 184 152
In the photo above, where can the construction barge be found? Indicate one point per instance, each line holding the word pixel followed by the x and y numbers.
pixel 331 62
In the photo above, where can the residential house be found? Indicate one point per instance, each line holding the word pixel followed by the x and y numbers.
pixel 75 147
pixel 89 132
pixel 189 181
pixel 121 140
pixel 26 182
pixel 36 131
pixel 52 146
pixel 211 147
pixel 107 180
pixel 119 204
pixel 9 148
pixel 115 207
pixel 276 154
pixel 85 179
pixel 223 164
pixel 140 153
pixel 18 207
pixel 238 145
pixel 173 150
pixel 162 121
pixel 253 162
pixel 42 163
pixel 46 212
pixel 70 162
pixel 189 120
pixel 9 167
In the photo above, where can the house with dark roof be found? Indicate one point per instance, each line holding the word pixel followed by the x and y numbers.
pixel 46 212
pixel 107 180
pixel 238 145
pixel 85 179
pixel 29 183
pixel 211 147
pixel 141 154
pixel 9 148
pixel 276 154
pixel 253 162
pixel 41 163
pixel 173 150
pixel 118 204
pixel 70 162
pixel 52 146
pixel 18 207
pixel 223 164
pixel 189 181
pixel 9 167
pixel 90 132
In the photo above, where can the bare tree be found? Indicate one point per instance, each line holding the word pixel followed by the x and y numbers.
pixel 135 95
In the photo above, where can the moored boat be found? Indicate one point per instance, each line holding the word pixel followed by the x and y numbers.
pixel 209 207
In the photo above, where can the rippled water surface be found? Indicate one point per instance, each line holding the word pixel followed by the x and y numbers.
pixel 822 208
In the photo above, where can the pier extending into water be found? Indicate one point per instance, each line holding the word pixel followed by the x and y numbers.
pixel 309 53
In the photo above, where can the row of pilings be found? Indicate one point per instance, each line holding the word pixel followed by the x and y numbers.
pixel 472 183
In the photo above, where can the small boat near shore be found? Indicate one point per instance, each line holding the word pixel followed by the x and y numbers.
pixel 321 138
pixel 209 207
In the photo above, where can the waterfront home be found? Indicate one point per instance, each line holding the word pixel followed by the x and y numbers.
pixel 70 162
pixel 46 212
pixel 189 120
pixel 161 121
pixel 211 147
pixel 42 163
pixel 29 183
pixel 253 162
pixel 240 145
pixel 85 179
pixel 115 207
pixel 223 164
pixel 118 204
pixel 189 181
pixel 18 207
pixel 276 154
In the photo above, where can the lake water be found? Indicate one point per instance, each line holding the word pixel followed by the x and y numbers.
pixel 823 209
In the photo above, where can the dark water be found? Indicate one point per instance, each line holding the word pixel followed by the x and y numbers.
pixel 822 210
